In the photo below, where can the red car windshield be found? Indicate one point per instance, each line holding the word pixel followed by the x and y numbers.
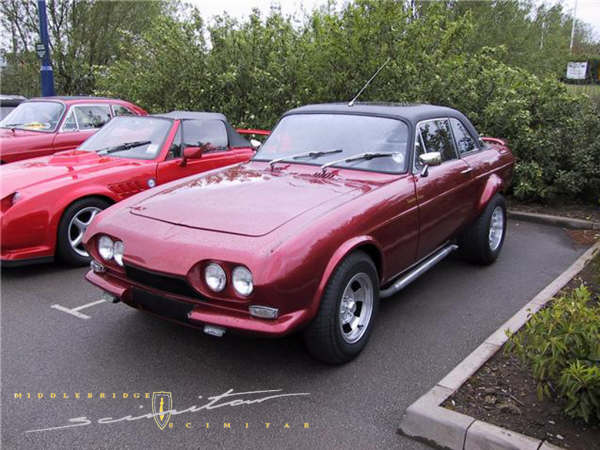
pixel 129 131
pixel 336 137
pixel 34 116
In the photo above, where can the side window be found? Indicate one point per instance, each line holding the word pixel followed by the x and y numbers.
pixel 464 141
pixel 69 124
pixel 436 137
pixel 92 116
pixel 120 110
pixel 200 132
pixel 175 150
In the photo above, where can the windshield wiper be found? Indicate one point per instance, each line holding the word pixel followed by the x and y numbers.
pixel 12 125
pixel 367 156
pixel 304 155
pixel 120 148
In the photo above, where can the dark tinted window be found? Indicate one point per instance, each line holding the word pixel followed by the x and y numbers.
pixel 200 132
pixel 464 141
pixel 437 138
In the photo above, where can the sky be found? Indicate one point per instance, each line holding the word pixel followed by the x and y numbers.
pixel 587 10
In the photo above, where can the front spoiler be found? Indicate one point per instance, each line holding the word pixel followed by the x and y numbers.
pixel 207 313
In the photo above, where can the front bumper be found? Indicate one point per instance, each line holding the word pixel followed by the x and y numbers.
pixel 200 313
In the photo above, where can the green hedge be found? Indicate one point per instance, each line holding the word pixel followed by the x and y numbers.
pixel 256 69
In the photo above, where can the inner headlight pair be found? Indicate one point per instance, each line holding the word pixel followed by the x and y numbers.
pixel 109 249
pixel 216 279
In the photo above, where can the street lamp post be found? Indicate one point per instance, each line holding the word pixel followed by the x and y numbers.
pixel 573 26
pixel 43 51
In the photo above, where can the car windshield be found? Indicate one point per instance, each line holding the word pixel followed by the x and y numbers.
pixel 34 116
pixel 130 137
pixel 336 137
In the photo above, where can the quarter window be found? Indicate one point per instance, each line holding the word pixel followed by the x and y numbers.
pixel 436 137
pixel 70 124
pixel 202 132
pixel 175 150
pixel 464 141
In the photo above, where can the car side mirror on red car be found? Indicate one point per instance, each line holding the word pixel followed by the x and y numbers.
pixel 192 153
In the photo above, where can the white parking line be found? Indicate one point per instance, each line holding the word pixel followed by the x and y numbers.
pixel 75 311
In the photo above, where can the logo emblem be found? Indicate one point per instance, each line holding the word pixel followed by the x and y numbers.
pixel 151 182
pixel 162 403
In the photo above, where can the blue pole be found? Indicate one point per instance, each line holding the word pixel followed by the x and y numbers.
pixel 46 74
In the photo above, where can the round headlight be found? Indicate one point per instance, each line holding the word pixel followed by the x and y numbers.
pixel 105 247
pixel 118 250
pixel 242 281
pixel 215 278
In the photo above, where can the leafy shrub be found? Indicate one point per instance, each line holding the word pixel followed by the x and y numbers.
pixel 256 69
pixel 561 344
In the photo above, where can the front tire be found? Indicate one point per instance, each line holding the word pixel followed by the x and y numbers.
pixel 347 311
pixel 75 220
pixel 482 242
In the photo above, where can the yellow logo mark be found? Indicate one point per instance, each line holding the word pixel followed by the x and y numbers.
pixel 162 402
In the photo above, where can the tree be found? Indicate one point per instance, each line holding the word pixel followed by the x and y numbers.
pixel 83 34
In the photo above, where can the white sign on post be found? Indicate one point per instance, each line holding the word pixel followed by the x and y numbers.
pixel 576 70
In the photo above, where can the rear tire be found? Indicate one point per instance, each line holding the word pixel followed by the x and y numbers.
pixel 73 224
pixel 482 241
pixel 347 311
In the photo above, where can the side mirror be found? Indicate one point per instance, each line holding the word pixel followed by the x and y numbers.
pixel 429 159
pixel 255 143
pixel 191 153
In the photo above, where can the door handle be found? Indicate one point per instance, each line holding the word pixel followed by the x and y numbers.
pixel 470 169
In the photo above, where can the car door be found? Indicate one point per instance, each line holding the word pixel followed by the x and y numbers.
pixel 479 156
pixel 445 193
pixel 80 123
pixel 196 133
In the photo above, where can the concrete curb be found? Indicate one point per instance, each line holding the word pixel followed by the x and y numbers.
pixel 561 221
pixel 427 421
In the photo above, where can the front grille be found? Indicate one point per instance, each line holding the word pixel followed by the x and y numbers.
pixel 164 283
pixel 166 307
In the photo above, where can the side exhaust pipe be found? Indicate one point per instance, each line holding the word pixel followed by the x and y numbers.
pixel 416 272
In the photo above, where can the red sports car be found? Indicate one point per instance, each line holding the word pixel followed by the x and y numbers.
pixel 342 205
pixel 48 202
pixel 43 126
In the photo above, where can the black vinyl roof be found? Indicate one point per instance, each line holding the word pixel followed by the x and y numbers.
pixel 410 112
pixel 235 139
pixel 193 115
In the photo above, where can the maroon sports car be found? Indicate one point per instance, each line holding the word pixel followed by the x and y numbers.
pixel 342 205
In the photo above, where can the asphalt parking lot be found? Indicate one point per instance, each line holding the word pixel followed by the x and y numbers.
pixel 421 333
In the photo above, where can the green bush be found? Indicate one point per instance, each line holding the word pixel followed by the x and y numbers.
pixel 256 69
pixel 561 345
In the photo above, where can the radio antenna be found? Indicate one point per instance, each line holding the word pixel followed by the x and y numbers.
pixel 351 102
